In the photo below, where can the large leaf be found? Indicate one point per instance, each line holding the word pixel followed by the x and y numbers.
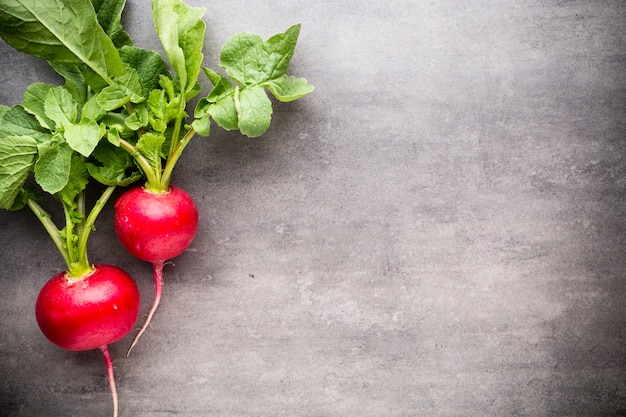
pixel 180 29
pixel 18 122
pixel 250 61
pixel 62 32
pixel 17 156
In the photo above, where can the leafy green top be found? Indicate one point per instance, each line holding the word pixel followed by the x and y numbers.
pixel 121 115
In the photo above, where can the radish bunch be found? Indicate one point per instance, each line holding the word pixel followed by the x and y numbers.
pixel 121 117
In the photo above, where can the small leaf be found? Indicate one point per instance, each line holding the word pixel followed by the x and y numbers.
pixel 148 64
pixel 112 166
pixel 60 107
pixel 138 119
pixel 202 126
pixel 224 112
pixel 33 102
pixel 150 145
pixel 109 14
pixel 92 110
pixel 288 88
pixel 53 166
pixel 17 157
pixel 83 137
pixel 254 110
pixel 77 180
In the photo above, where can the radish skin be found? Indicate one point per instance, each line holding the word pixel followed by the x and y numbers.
pixel 89 312
pixel 155 227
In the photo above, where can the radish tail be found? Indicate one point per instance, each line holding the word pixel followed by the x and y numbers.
pixel 158 285
pixel 109 365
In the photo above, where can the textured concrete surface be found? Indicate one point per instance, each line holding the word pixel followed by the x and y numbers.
pixel 439 230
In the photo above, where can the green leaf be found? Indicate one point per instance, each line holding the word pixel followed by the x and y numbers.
pixel 3 110
pixel 250 61
pixel 52 169
pixel 17 157
pixel 125 89
pixel 77 78
pixel 112 166
pixel 180 29
pixel 254 110
pixel 150 146
pixel 60 107
pixel 148 64
pixel 221 86
pixel 91 110
pixel 288 88
pixel 77 181
pixel 202 126
pixel 33 102
pixel 109 14
pixel 84 136
pixel 61 31
pixel 18 122
pixel 224 112
pixel 138 119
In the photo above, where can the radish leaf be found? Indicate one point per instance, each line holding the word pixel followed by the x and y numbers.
pixel 180 29
pixel 112 166
pixel 17 121
pixel 52 169
pixel 60 107
pixel 62 31
pixel 33 102
pixel 254 111
pixel 84 136
pixel 17 156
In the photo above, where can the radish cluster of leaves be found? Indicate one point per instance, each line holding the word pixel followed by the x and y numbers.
pixel 121 114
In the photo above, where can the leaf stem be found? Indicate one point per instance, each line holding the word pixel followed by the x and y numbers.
pixel 151 176
pixel 50 227
pixel 174 156
pixel 89 224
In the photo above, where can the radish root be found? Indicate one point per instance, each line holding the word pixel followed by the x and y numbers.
pixel 109 365
pixel 158 286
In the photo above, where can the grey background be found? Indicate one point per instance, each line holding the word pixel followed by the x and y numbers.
pixel 438 230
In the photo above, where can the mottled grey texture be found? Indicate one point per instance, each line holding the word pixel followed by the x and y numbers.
pixel 438 230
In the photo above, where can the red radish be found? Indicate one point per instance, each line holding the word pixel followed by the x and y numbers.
pixel 89 312
pixel 155 227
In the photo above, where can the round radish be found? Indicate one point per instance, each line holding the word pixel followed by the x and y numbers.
pixel 156 226
pixel 89 312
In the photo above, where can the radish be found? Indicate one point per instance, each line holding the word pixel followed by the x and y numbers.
pixel 155 227
pixel 89 312
pixel 158 222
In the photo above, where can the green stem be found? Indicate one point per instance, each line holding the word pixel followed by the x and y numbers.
pixel 152 177
pixel 179 121
pixel 69 233
pixel 89 224
pixel 173 158
pixel 50 227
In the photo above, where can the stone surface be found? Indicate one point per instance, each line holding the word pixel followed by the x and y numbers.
pixel 438 230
